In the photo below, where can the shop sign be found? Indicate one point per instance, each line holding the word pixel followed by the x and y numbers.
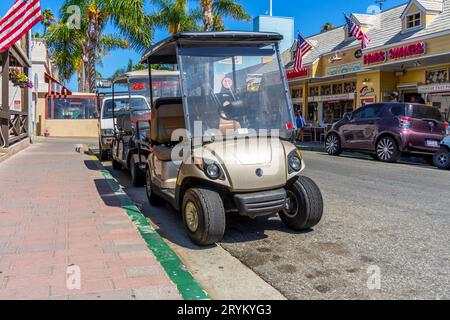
pixel 411 50
pixel 365 91
pixel 334 97
pixel 345 68
pixel 292 74
pixel 368 100
pixel 433 88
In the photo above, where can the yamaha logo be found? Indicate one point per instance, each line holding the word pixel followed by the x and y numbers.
pixel 259 172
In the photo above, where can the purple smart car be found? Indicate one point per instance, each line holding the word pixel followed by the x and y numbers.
pixel 389 130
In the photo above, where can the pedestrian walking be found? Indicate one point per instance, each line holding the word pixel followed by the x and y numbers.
pixel 301 124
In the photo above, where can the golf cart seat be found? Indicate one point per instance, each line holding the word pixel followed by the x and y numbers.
pixel 167 116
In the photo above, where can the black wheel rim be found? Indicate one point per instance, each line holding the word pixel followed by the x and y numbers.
pixel 291 210
pixel 443 159
pixel 332 144
pixel 385 149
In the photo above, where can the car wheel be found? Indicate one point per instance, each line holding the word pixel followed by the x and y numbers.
pixel 333 145
pixel 442 159
pixel 203 216
pixel 387 150
pixel 153 199
pixel 304 207
pixel 137 174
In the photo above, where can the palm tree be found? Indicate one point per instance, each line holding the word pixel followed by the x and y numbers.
pixel 326 27
pixel 214 11
pixel 175 16
pixel 47 19
pixel 128 16
pixel 130 67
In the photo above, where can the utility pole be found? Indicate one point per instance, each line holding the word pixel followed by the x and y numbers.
pixel 380 3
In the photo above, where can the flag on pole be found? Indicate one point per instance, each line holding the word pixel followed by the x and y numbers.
pixel 20 18
pixel 356 31
pixel 303 47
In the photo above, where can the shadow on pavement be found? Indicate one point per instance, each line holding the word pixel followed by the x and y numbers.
pixel 168 222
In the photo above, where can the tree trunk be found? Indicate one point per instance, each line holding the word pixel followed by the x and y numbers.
pixel 93 34
pixel 207 12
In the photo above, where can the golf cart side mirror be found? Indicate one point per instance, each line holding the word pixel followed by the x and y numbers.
pixel 348 116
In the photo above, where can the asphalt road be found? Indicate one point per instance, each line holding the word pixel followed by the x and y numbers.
pixel 391 218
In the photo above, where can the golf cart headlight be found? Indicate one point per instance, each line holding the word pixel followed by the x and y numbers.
pixel 212 170
pixel 295 161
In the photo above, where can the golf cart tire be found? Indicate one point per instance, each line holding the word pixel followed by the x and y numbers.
pixel 116 165
pixel 211 216
pixel 310 205
pixel 137 174
pixel 442 159
pixel 153 199
pixel 104 154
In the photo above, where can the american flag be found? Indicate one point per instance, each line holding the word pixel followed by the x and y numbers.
pixel 303 47
pixel 356 31
pixel 19 19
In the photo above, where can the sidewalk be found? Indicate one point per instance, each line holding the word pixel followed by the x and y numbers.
pixel 62 224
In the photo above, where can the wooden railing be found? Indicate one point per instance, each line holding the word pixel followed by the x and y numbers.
pixel 14 126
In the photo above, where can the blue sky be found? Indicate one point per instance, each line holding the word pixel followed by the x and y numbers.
pixel 309 16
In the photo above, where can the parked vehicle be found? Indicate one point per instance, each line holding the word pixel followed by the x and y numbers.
pixel 136 83
pixel 233 82
pixel 389 130
pixel 442 158
pixel 113 107
pixel 129 150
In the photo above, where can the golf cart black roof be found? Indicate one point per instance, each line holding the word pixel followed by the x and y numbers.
pixel 165 51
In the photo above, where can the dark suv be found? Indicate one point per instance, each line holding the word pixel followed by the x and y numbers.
pixel 388 130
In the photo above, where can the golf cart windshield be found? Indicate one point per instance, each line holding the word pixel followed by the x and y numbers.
pixel 235 89
pixel 123 106
pixel 163 86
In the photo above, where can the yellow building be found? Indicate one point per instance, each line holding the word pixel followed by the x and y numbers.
pixel 408 60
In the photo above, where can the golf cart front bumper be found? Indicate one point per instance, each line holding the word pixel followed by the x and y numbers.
pixel 261 203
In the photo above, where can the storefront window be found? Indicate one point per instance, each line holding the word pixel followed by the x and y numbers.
pixel 337 88
pixel 325 90
pixel 349 87
pixel 436 76
pixel 313 91
pixel 297 93
pixel 313 114
pixel 71 108
pixel 334 111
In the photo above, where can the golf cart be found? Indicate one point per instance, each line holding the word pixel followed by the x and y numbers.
pixel 132 118
pixel 442 158
pixel 226 144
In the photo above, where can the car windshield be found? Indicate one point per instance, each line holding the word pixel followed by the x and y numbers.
pixel 123 105
pixel 235 90
pixel 417 111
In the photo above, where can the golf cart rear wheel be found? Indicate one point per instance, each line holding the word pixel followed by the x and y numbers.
pixel 137 174
pixel 442 159
pixel 304 207
pixel 203 216
pixel 153 199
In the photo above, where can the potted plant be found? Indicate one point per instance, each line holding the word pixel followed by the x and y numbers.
pixel 19 79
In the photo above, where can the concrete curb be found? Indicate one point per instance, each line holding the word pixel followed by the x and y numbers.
pixel 187 286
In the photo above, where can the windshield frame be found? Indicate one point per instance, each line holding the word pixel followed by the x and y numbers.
pixel 284 82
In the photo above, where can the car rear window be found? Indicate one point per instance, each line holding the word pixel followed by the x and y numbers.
pixel 423 112
pixel 398 110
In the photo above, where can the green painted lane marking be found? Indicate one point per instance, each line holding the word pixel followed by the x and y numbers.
pixel 188 287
